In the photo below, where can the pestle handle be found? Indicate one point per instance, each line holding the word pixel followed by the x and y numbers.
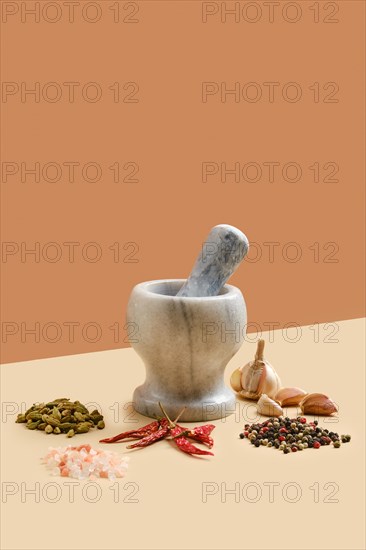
pixel 222 252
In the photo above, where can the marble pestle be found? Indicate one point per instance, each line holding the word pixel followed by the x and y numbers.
pixel 221 254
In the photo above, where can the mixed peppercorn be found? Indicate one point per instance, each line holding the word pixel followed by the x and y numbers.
pixel 291 434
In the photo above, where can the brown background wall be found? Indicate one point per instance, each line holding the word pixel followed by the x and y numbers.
pixel 164 128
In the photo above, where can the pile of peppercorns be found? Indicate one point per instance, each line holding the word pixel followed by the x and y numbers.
pixel 291 434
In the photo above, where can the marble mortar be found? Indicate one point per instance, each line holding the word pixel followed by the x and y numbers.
pixel 185 343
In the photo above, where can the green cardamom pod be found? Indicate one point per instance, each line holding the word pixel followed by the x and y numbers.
pixel 97 417
pixel 66 419
pixel 34 416
pixel 50 420
pixel 56 430
pixel 51 404
pixel 81 409
pixel 28 411
pixel 21 418
pixel 33 425
pixel 100 425
pixel 41 426
pixel 70 433
pixel 66 426
pixel 56 413
pixel 48 429
pixel 68 405
pixel 79 416
pixel 82 428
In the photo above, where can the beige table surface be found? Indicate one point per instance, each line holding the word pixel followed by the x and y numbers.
pixel 242 497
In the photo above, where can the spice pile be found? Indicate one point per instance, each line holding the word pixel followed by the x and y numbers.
pixel 61 416
pixel 83 462
pixel 291 434
pixel 164 428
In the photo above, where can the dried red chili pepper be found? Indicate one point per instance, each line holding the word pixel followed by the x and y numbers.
pixel 151 438
pixel 136 434
pixel 184 445
pixel 202 434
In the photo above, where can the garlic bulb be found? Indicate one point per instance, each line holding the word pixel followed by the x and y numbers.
pixel 318 403
pixel 256 377
pixel 268 407
pixel 288 397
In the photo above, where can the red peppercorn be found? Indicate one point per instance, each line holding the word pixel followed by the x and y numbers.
pixel 281 438
pixel 303 420
pixel 316 445
pixel 283 430
pixel 246 433
pixel 294 449
pixel 264 430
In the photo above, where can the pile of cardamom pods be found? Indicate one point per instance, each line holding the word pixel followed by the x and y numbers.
pixel 61 416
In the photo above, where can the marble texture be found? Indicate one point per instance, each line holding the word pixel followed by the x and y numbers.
pixel 185 343
pixel 221 254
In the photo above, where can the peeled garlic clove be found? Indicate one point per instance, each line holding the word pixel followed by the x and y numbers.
pixel 259 377
pixel 288 397
pixel 318 403
pixel 268 407
pixel 235 380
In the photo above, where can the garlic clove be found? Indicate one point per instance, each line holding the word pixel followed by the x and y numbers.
pixel 318 403
pixel 268 407
pixel 235 380
pixel 288 397
pixel 259 376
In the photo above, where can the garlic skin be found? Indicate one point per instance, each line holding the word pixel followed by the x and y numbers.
pixel 268 407
pixel 290 397
pixel 318 403
pixel 256 377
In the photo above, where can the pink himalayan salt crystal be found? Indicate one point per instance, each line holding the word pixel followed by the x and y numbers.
pixel 83 462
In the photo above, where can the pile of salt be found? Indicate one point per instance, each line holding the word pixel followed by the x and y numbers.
pixel 84 462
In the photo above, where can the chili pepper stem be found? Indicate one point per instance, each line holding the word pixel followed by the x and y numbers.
pixel 179 415
pixel 171 424
pixel 181 434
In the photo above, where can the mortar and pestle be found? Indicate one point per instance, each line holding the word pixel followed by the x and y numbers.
pixel 188 330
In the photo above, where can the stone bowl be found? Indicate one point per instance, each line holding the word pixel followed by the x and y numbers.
pixel 185 344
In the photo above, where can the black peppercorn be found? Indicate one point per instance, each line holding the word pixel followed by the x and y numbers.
pixel 241 436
